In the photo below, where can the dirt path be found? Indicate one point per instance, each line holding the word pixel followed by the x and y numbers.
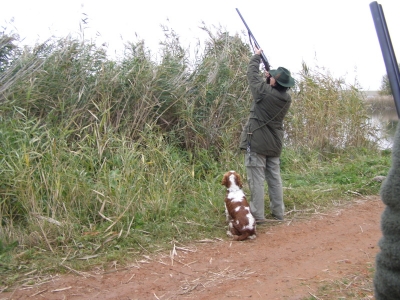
pixel 289 260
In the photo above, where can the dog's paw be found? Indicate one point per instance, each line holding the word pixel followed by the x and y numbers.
pixel 252 237
pixel 228 233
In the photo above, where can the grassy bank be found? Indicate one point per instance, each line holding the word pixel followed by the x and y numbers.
pixel 103 160
pixel 154 198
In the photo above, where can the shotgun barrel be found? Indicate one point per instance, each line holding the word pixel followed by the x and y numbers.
pixel 392 68
pixel 251 37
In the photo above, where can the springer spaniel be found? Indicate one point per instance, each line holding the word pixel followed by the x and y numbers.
pixel 242 224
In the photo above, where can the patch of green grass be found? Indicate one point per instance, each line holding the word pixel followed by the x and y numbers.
pixel 353 286
pixel 312 181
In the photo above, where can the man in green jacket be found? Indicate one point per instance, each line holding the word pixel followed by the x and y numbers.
pixel 262 137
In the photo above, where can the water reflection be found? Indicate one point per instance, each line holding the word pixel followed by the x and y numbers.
pixel 386 122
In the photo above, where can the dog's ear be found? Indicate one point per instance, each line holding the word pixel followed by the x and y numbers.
pixel 239 180
pixel 224 179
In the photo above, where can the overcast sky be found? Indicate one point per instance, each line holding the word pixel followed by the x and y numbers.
pixel 338 35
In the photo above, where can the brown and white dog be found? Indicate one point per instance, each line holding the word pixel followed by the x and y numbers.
pixel 242 224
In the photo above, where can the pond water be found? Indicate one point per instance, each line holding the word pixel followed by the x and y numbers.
pixel 386 122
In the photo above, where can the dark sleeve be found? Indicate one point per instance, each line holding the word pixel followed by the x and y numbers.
pixel 254 78
pixel 253 70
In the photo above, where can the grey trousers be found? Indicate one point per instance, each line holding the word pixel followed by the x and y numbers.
pixel 261 168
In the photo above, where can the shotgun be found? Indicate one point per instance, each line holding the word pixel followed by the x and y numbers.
pixel 251 37
pixel 388 54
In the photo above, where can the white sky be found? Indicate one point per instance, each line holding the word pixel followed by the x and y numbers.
pixel 338 35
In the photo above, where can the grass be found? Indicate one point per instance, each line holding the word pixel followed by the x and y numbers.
pixel 102 160
pixel 355 286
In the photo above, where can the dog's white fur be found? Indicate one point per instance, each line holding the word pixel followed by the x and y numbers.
pixel 242 224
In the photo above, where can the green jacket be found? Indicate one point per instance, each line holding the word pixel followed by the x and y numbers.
pixel 267 112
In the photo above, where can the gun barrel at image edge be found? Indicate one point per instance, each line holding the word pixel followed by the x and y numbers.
pixel 251 36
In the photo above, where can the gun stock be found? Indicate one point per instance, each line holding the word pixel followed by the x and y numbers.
pixel 251 37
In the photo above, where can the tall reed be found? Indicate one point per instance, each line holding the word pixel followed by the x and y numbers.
pixel 327 113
